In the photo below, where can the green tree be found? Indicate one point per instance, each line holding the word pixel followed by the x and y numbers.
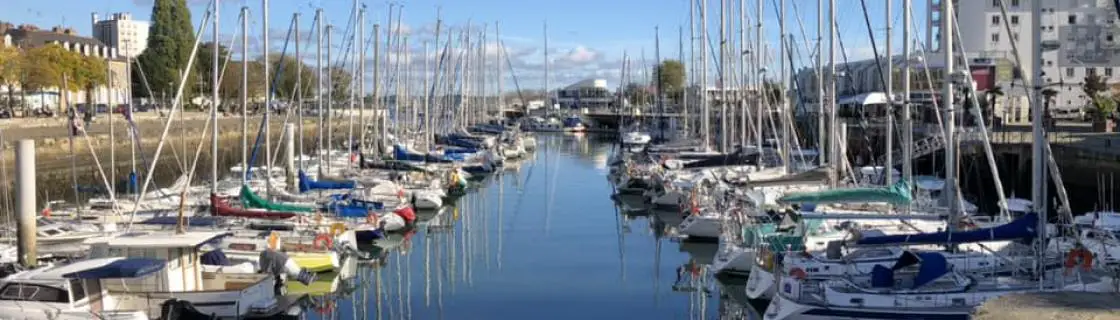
pixel 170 40
pixel 204 63
pixel 90 73
pixel 9 72
pixel 340 83
pixel 286 78
pixel 231 87
pixel 670 76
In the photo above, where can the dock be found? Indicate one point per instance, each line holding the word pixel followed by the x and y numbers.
pixel 1051 306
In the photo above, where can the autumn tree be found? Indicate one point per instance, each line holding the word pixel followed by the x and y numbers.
pixel 9 72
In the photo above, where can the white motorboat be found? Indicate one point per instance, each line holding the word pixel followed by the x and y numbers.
pixel 636 138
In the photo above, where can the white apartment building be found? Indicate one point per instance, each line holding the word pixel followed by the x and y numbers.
pixel 1086 31
pixel 120 31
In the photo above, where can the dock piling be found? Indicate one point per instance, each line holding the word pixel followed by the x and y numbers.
pixel 25 203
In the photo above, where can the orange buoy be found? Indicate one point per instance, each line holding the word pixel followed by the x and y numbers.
pixel 322 241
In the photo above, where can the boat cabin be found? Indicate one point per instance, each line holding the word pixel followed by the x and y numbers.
pixel 72 290
pixel 219 293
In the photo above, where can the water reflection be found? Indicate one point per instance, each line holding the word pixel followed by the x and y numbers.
pixel 543 240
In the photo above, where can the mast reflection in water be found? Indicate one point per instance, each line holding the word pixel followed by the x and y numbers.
pixel 541 240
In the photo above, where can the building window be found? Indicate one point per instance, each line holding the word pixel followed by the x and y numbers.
pixel 995 20
pixel 1072 19
pixel 1014 3
pixel 1069 72
pixel 1050 63
pixel 1107 72
pixel 1090 71
pixel 1014 20
pixel 995 3
pixel 995 37
pixel 1108 38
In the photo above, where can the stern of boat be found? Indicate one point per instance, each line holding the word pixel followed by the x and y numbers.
pixel 760 283
pixel 781 308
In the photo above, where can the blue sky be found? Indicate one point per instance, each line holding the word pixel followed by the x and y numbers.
pixel 586 37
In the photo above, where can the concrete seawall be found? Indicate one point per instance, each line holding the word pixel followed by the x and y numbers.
pixel 53 144
pixel 1052 306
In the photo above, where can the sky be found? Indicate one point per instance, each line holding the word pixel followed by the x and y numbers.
pixel 586 38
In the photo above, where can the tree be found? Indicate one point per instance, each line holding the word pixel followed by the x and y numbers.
pixel 231 87
pixel 340 83
pixel 9 72
pixel 91 72
pixel 170 40
pixel 670 76
pixel 204 63
pixel 637 94
pixel 286 78
pixel 988 110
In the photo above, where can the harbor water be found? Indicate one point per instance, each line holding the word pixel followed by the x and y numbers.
pixel 543 240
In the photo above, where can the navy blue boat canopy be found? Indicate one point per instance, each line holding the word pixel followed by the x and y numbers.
pixel 306 184
pixel 1022 228
pixel 120 269
pixel 932 265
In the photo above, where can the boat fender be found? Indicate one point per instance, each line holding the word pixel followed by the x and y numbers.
pixel 322 241
pixel 337 228
pixel 273 241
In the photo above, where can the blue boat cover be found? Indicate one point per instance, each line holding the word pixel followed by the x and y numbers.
pixel 882 277
pixel 349 211
pixel 400 153
pixel 369 205
pixel 1021 228
pixel 120 269
pixel 933 266
pixel 306 184
pixel 215 258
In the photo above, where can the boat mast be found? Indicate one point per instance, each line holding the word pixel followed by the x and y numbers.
pixel 319 86
pixel 722 76
pixel 947 17
pixel 691 65
pixel 821 127
pixel 888 165
pixel 907 122
pixel 684 90
pixel 267 105
pixel 1038 154
pixel 835 157
pixel 657 78
pixel 299 92
pixel 547 103
pixel 362 125
pixel 705 113
pixel 213 106
pixel 376 100
pixel 329 86
pixel 245 95
pixel 356 44
pixel 760 86
pixel 741 94
pixel 784 114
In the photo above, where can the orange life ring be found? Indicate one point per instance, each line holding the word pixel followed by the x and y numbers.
pixel 322 241
pixel 1078 256
pixel 797 273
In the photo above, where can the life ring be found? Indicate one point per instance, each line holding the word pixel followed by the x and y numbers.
pixel 694 203
pixel 322 241
pixel 797 273
pixel 273 241
pixel 337 228
pixel 1078 256
pixel 371 218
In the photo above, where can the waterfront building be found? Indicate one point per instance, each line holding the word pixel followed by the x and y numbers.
pixel 121 31
pixel 29 36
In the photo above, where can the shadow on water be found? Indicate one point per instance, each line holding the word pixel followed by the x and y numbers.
pixel 542 240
